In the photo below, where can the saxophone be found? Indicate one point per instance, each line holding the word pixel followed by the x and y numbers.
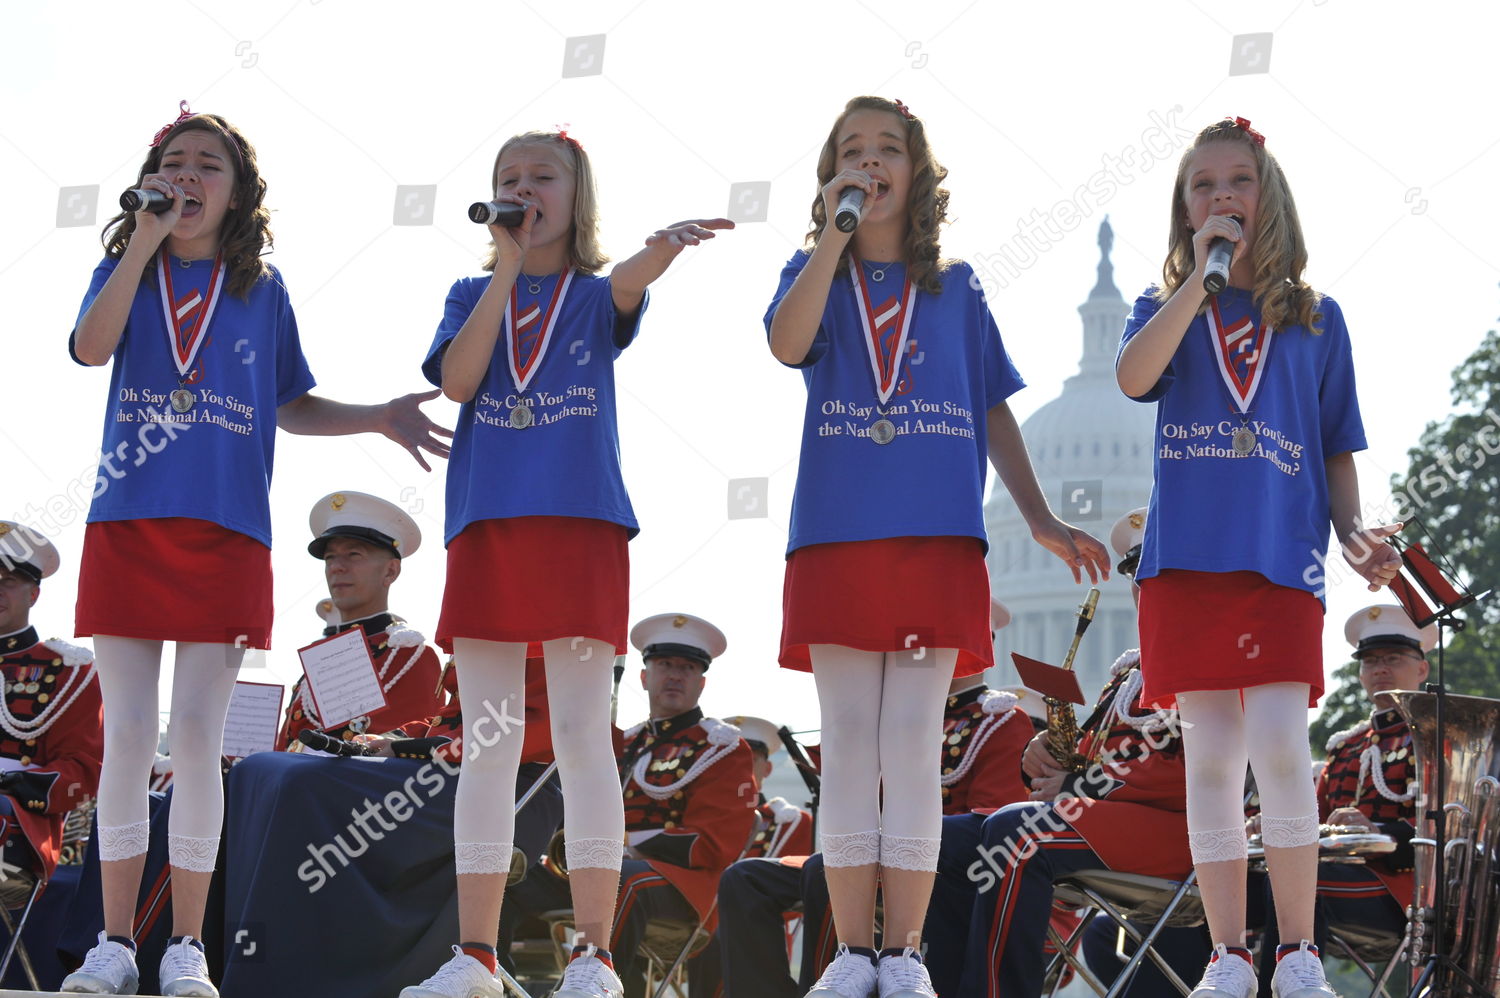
pixel 1062 723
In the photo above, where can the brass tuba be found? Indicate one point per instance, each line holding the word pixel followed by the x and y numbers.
pixel 1469 801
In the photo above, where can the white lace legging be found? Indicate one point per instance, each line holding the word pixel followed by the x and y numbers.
pixel 1219 737
pixel 492 674
pixel 202 680
pixel 882 714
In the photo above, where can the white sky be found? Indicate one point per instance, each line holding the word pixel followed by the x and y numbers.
pixel 1374 110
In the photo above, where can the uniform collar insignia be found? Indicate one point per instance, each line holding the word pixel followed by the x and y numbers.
pixel 19 640
pixel 682 721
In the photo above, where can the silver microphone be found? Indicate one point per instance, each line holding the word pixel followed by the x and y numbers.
pixel 1216 271
pixel 851 209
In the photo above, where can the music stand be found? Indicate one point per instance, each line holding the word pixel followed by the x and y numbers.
pixel 805 769
pixel 1419 581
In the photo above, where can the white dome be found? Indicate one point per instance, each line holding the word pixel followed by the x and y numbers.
pixel 1091 448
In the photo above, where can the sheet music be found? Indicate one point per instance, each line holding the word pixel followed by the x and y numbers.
pixel 253 720
pixel 342 675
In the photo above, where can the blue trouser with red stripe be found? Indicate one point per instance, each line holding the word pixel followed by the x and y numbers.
pixel 1007 870
pixel 645 896
pixel 1348 894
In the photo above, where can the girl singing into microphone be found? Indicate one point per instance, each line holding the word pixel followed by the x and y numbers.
pixel 206 364
pixel 1257 421
pixel 886 592
pixel 538 521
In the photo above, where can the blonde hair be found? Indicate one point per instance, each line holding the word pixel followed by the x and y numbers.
pixel 584 254
pixel 926 204
pixel 1280 252
pixel 245 232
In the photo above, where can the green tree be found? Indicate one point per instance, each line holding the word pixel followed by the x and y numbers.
pixel 1452 484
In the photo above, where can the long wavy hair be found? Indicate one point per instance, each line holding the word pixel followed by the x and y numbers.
pixel 245 233
pixel 1280 252
pixel 926 205
pixel 584 253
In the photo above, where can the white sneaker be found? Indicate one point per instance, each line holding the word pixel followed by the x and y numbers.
pixel 1227 976
pixel 108 969
pixel 1300 975
pixel 184 972
pixel 904 976
pixel 587 976
pixel 850 975
pixel 461 977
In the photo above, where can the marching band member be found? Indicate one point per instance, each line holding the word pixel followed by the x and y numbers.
pixel 689 798
pixel 1368 784
pixel 362 541
pixel 781 829
pixel 51 727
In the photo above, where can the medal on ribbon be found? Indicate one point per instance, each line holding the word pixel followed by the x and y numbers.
pixel 1241 353
pixel 889 322
pixel 527 339
pixel 187 322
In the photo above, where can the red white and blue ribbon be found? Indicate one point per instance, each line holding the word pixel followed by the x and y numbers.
pixel 878 327
pixel 187 319
pixel 1242 354
pixel 532 330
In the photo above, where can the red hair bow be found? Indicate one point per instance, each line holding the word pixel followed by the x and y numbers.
pixel 562 133
pixel 186 114
pixel 1244 125
pixel 905 111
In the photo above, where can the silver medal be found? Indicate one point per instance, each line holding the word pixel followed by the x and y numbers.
pixel 182 400
pixel 882 431
pixel 1244 440
pixel 521 417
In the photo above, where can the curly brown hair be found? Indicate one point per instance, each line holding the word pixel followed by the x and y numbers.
pixel 927 204
pixel 245 233
pixel 1279 254
pixel 584 254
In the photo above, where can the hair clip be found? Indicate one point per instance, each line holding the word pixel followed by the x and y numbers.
pixel 562 133
pixel 903 109
pixel 1243 124
pixel 186 114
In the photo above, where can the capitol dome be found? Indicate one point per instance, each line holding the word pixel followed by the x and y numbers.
pixel 1091 448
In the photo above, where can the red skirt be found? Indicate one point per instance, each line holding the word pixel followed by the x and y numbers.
pixel 1227 631
pixel 536 578
pixel 174 579
pixel 888 595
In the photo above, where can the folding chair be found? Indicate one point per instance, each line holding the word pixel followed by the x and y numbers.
pixel 1365 948
pixel 15 926
pixel 1125 898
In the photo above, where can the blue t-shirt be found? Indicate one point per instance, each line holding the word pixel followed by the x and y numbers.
pixel 929 480
pixel 1268 512
pixel 214 461
pixel 567 463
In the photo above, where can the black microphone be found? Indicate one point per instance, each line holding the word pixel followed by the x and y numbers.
pixel 851 209
pixel 497 213
pixel 327 743
pixel 1216 271
pixel 142 199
